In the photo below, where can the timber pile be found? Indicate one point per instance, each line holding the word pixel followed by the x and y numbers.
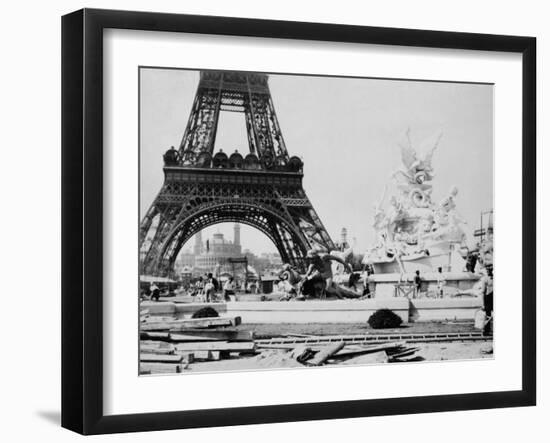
pixel 171 345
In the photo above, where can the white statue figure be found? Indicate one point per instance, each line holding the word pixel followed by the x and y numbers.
pixel 408 224
pixel 416 170
pixel 447 220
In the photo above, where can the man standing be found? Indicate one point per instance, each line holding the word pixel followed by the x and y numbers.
pixel 440 282
pixel 199 287
pixel 488 300
pixel 209 289
pixel 417 284
pixel 228 289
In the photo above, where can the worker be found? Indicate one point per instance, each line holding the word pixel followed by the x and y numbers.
pixel 155 291
pixel 417 283
pixel 440 282
pixel 228 289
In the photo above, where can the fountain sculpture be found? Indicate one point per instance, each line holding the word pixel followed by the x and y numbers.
pixel 414 233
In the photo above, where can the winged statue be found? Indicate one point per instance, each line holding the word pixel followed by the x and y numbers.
pixel 417 169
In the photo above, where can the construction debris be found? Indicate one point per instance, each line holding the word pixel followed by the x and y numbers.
pixel 154 335
pixel 303 354
pixel 173 345
pixel 217 334
pixel 179 325
pixel 161 368
pixel 248 347
pixel 207 355
pixel 324 354
pixel 160 358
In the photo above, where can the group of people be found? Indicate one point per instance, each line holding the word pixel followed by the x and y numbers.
pixel 440 284
pixel 205 288
pixel 208 287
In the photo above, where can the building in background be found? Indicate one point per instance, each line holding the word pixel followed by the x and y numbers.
pixel 212 255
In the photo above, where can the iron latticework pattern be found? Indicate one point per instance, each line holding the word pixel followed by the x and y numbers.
pixel 262 189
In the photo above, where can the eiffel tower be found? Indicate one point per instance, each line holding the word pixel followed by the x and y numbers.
pixel 262 189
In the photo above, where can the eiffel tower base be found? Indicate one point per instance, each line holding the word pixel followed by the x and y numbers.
pixel 192 199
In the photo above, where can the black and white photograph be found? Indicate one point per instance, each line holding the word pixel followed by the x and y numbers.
pixel 297 221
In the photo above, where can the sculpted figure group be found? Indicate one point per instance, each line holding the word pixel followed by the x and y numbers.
pixel 409 223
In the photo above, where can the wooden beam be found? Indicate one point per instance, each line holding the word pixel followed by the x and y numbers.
pixel 217 334
pixel 154 335
pixel 323 355
pixel 161 368
pixel 355 351
pixel 403 353
pixel 155 343
pixel 158 351
pixel 180 325
pixel 207 355
pixel 159 358
pixel 217 346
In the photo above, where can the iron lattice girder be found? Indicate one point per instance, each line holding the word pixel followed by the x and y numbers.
pixel 238 92
pixel 192 199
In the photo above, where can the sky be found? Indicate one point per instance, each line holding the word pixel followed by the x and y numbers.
pixel 347 131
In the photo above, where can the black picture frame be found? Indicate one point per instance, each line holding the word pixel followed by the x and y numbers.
pixel 82 219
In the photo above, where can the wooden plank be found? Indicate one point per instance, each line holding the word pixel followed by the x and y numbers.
pixel 276 346
pixel 162 368
pixel 179 338
pixel 157 350
pixel 405 353
pixel 157 343
pixel 290 347
pixel 154 335
pixel 207 322
pixel 323 355
pixel 302 335
pixel 180 325
pixel 217 346
pixel 154 325
pixel 207 355
pixel 355 351
pixel 159 358
pixel 220 334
